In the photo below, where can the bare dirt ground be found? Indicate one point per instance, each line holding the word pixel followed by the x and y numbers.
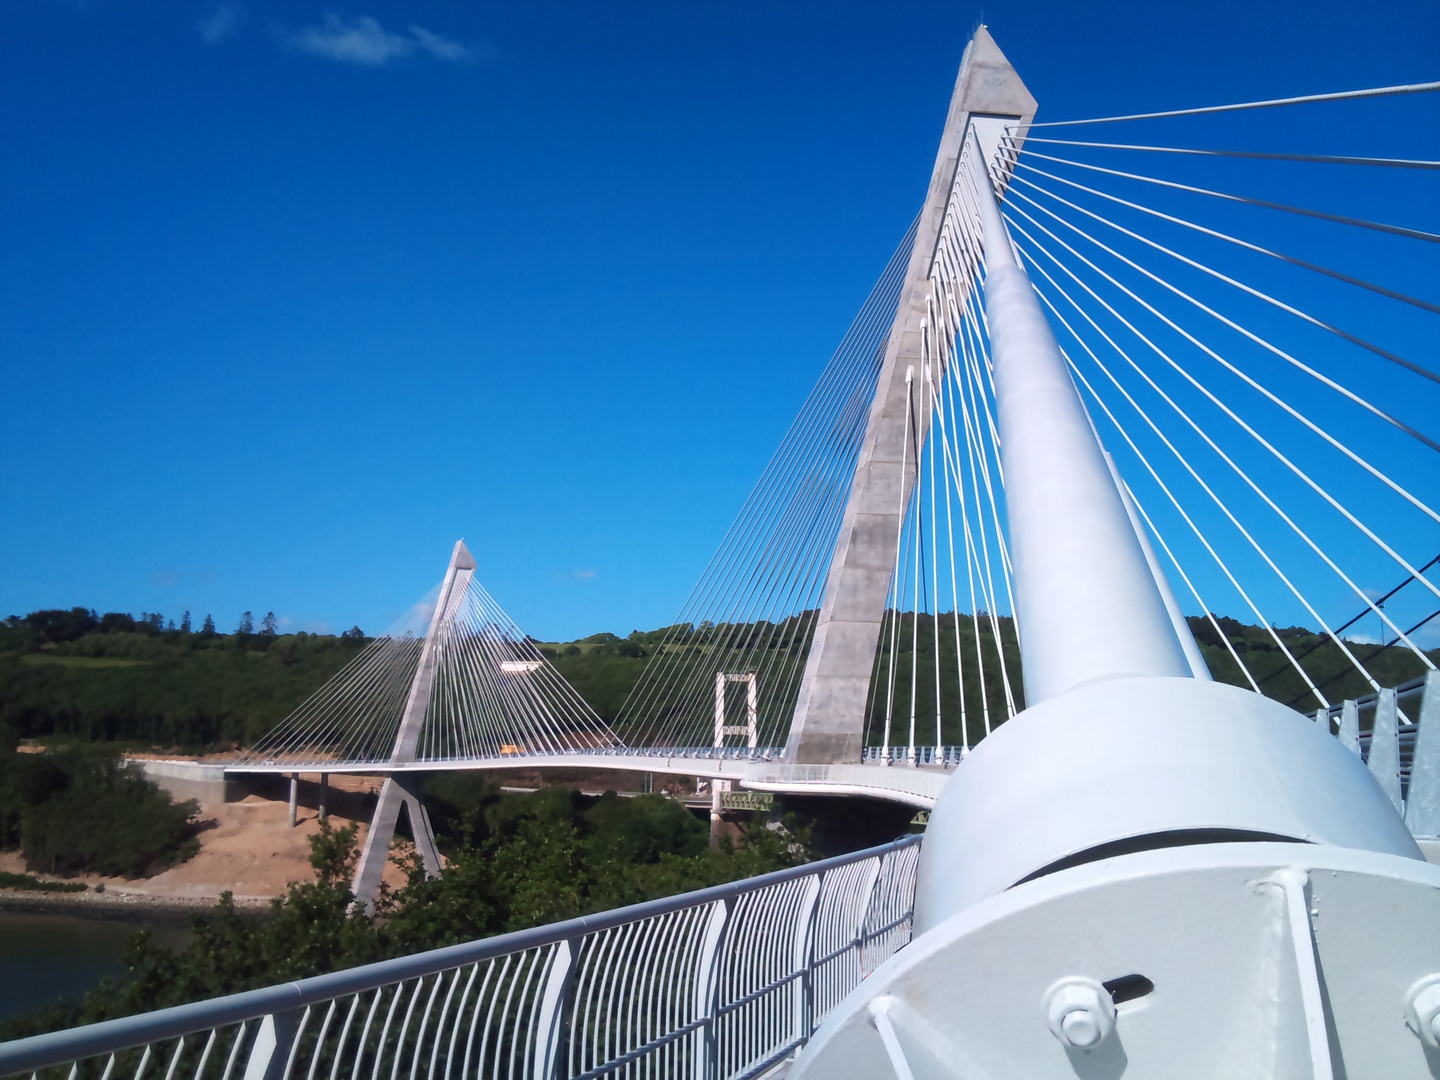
pixel 246 847
pixel 249 849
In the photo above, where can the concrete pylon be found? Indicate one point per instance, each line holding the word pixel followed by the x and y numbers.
pixel 404 789
pixel 829 720
pixel 400 790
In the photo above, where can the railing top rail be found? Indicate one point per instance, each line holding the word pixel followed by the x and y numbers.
pixel 108 1036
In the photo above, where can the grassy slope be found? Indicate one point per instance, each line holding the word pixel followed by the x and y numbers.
pixel 177 690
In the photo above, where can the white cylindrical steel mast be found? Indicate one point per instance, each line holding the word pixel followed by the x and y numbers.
pixel 1087 602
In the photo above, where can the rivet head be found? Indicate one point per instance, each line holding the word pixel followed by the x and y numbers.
pixel 1079 1012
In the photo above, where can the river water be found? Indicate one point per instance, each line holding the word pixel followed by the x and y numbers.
pixel 45 957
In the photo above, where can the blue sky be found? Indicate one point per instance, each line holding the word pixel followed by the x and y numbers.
pixel 294 295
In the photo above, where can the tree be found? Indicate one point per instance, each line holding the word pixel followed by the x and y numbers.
pixel 267 624
pixel 354 634
pixel 247 623
pixel 208 626
pixel 185 623
pixel 117 622
pixel 58 626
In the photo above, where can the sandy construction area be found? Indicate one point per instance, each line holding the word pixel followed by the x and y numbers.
pixel 246 847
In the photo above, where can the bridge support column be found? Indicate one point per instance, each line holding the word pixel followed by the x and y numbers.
pixel 401 788
pixel 829 720
pixel 398 791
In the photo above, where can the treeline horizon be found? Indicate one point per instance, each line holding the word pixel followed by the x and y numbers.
pixel 146 682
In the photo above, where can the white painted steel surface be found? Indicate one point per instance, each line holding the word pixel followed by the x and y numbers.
pixel 725 982
pixel 1263 961
pixel 1142 758
pixel 1085 598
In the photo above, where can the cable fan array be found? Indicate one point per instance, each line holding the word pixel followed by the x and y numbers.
pixel 754 609
pixel 1256 368
pixel 491 694
pixel 1275 452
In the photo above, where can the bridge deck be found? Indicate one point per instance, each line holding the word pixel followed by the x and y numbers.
pixel 913 785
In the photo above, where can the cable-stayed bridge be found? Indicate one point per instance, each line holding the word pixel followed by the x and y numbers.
pixel 1090 391
pixel 856 632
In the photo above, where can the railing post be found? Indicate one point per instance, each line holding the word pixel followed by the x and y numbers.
pixel 1422 808
pixel 1385 747
pixel 550 1024
pixel 1350 726
pixel 270 1051
pixel 805 953
pixel 707 989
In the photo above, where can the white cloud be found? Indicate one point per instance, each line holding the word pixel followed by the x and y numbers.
pixel 1428 636
pixel 220 22
pixel 457 52
pixel 364 41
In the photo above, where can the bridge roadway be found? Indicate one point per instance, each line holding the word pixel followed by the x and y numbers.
pixel 913 785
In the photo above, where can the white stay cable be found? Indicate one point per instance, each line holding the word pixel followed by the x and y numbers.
pixel 1318 159
pixel 1135 449
pixel 976 450
pixel 1343 95
pixel 973 392
pixel 942 419
pixel 1226 457
pixel 898 585
pixel 918 528
pixel 935 417
pixel 973 563
pixel 1228 238
pixel 1321 215
pixel 1160 482
pixel 1263 343
pixel 1248 428
pixel 978 385
pixel 972 558
pixel 1188 468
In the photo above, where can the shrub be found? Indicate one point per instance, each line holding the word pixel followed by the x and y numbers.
pixel 77 811
pixel 33 884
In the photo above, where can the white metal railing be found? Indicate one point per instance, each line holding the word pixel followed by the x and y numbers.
pixel 946 756
pixel 723 982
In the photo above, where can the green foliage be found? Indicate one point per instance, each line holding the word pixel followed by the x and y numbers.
pixel 916 651
pixel 34 884
pixel 514 861
pixel 75 675
pixel 603 668
pixel 65 676
pixel 1318 655
pixel 77 811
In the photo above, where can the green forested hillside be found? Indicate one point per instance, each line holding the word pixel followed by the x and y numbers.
pixel 76 676
pixel 1256 646
pixel 139 685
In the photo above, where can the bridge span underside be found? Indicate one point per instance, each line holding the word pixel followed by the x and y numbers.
pixel 918 787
